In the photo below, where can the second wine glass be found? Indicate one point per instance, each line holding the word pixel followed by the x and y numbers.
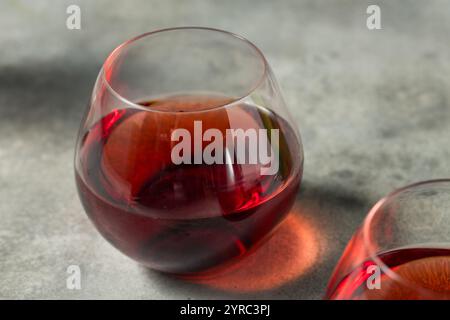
pixel 402 250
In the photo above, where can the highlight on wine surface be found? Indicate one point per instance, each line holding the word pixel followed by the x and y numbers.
pixel 402 250
pixel 187 157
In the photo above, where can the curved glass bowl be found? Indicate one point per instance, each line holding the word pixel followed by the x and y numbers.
pixel 187 157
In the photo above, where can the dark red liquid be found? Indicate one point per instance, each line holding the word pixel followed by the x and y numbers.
pixel 424 273
pixel 182 219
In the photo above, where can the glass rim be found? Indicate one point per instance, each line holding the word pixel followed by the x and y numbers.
pixel 116 52
pixel 368 240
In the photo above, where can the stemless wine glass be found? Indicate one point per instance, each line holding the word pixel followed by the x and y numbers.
pixel 187 157
pixel 402 250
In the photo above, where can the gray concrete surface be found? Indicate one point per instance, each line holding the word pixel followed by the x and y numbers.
pixel 372 107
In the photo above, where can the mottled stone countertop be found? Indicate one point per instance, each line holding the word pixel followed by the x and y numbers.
pixel 372 108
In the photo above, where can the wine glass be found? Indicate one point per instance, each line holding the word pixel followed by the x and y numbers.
pixel 402 250
pixel 187 157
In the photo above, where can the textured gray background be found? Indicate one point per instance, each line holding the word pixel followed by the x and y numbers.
pixel 372 108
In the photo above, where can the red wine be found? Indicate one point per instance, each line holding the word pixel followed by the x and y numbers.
pixel 424 274
pixel 185 218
